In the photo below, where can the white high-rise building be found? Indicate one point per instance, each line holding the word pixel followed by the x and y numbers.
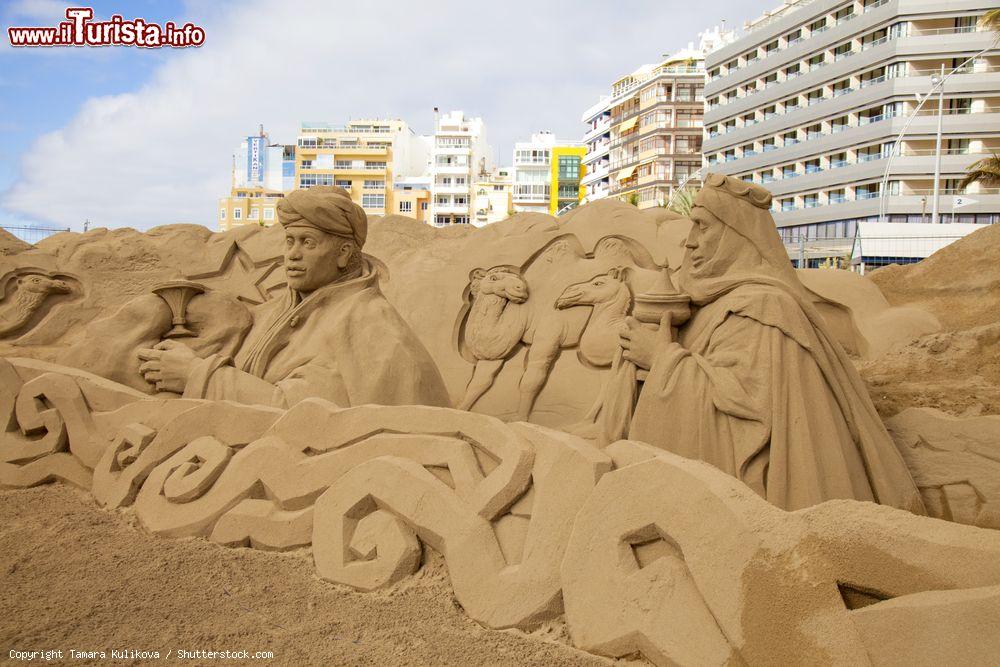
pixel 459 153
pixel 597 162
pixel 810 100
pixel 532 173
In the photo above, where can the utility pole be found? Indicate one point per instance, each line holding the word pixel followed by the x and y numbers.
pixel 935 204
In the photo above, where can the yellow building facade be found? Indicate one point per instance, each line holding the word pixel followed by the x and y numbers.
pixel 567 171
pixel 357 157
pixel 248 206
pixel 493 201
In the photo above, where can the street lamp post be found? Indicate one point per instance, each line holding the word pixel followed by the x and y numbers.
pixel 939 82
pixel 896 146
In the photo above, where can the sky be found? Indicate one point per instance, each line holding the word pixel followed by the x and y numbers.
pixel 128 137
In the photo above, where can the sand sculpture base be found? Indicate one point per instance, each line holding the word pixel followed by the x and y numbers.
pixel 641 551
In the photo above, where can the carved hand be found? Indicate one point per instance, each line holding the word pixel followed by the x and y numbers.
pixel 167 365
pixel 641 343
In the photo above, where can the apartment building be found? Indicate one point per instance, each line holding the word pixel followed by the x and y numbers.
pixel 261 174
pixel 458 154
pixel 493 196
pixel 362 156
pixel 547 174
pixel 596 181
pixel 810 100
pixel 412 197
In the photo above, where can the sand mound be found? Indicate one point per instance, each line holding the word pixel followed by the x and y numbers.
pixel 122 588
pixel 10 244
pixel 956 370
pixel 959 283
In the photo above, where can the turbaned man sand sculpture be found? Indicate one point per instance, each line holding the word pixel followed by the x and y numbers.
pixel 755 384
pixel 333 335
pixel 638 548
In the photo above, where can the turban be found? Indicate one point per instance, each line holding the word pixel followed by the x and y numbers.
pixel 327 208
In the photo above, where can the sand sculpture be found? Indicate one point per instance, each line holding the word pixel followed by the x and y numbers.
pixel 30 291
pixel 637 548
pixel 767 393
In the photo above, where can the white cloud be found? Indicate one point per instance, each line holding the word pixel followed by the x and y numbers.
pixel 162 153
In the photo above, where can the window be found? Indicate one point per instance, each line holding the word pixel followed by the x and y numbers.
pixel 405 207
pixel 373 201
pixel 237 214
pixel 687 144
pixel 965 24
pixel 423 206
pixel 958 146
pixel 380 166
pixel 961 105
pixel 845 14
pixel 343 184
pixel 255 213
pixel 342 164
pixel 569 167
pixel 222 214
pixel 269 213
pixel 309 180
pixel 374 185
pixel 688 118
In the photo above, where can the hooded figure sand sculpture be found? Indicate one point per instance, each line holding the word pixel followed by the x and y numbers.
pixel 755 384
pixel 332 335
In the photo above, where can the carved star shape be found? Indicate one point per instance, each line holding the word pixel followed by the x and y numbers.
pixel 241 277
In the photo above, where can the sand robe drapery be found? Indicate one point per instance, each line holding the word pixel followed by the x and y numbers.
pixel 756 390
pixel 343 342
pixel 757 386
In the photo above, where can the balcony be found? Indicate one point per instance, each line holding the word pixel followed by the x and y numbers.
pixel 872 44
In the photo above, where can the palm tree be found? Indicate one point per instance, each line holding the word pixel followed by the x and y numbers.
pixel 985 171
pixel 991 20
pixel 682 202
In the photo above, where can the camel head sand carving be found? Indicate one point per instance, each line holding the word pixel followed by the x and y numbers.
pixel 611 298
pixel 32 291
pixel 498 321
pixel 494 326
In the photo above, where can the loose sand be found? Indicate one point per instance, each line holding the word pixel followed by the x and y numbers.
pixel 74 576
pixel 958 369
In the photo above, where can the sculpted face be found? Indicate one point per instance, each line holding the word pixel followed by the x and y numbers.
pixel 314 258
pixel 703 241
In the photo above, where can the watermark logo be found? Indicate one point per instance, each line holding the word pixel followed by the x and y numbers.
pixel 81 30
